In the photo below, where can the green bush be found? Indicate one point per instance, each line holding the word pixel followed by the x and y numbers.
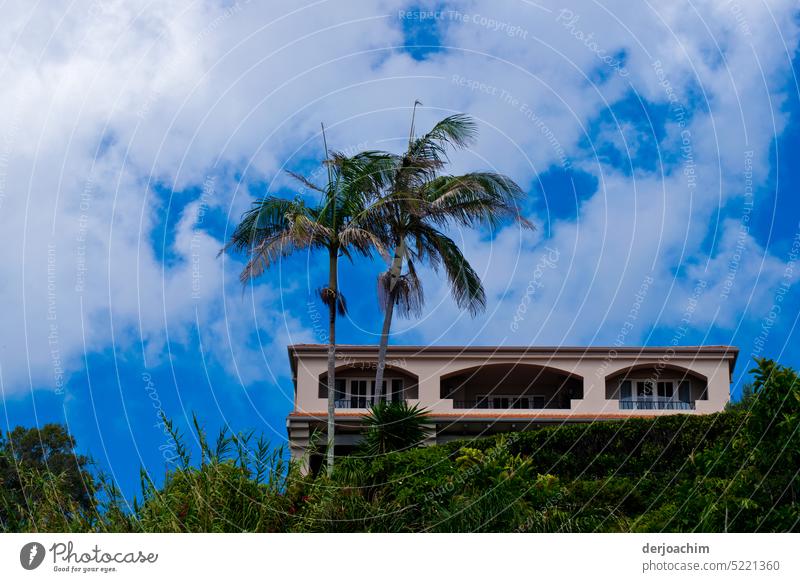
pixel 732 471
pixel 393 426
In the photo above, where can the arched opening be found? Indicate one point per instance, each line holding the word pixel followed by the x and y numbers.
pixel 510 386
pixel 659 386
pixel 355 384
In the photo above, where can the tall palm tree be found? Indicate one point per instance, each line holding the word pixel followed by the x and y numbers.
pixel 276 227
pixel 420 204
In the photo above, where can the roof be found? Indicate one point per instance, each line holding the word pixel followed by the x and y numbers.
pixel 483 416
pixel 724 352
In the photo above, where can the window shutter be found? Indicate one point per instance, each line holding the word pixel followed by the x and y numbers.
pixel 397 390
pixel 685 391
pixel 339 389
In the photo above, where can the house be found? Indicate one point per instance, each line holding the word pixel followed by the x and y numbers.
pixel 479 390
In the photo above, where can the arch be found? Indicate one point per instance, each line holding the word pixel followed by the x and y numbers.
pixel 511 385
pixel 656 372
pixel 366 369
pixel 660 366
pixel 369 367
pixel 511 365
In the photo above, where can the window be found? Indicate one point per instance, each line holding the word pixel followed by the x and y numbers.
pixel 650 389
pixel 655 395
pixel 644 389
pixel 506 402
pixel 358 393
pixel 374 395
pixel 625 390
pixel 501 402
pixel 340 389
pixel 665 390
pixel 397 390
pixel 685 391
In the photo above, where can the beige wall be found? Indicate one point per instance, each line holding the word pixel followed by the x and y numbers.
pixel 593 367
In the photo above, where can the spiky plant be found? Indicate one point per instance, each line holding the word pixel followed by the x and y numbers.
pixel 393 426
pixel 238 485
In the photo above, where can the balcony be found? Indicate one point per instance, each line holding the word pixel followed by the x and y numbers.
pixel 358 402
pixel 654 404
pixel 511 386
pixel 501 403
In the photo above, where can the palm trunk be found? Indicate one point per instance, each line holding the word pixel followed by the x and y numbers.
pixel 394 274
pixel 332 304
pixel 387 324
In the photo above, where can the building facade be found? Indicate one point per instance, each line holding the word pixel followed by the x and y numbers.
pixel 476 390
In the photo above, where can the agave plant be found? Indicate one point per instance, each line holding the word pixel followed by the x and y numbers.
pixel 393 426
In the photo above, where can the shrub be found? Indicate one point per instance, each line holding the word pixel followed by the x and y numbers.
pixel 393 426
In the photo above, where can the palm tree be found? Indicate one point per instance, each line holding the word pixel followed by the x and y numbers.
pixel 276 227
pixel 420 204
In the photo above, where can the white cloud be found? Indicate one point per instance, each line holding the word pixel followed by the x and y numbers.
pixel 107 100
pixel 649 225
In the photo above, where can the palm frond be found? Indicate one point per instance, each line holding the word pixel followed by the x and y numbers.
pixel 427 155
pixel 410 297
pixel 306 182
pixel 366 172
pixel 407 294
pixel 475 198
pixel 328 296
pixel 267 217
pixel 267 252
pixel 363 240
pixel 442 252
pixel 458 130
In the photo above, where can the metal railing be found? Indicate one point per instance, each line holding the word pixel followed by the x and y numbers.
pixel 361 401
pixel 502 403
pixel 654 404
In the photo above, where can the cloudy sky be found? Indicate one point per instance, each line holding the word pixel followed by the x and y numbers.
pixel 657 143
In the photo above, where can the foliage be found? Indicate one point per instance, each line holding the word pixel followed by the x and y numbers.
pixel 421 202
pixel 732 471
pixel 274 228
pixel 750 483
pixel 238 486
pixel 44 483
pixel 419 205
pixel 746 399
pixel 393 426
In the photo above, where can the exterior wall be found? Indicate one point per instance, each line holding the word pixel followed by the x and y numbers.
pixel 594 368
pixel 709 371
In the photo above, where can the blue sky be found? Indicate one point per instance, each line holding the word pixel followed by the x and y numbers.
pixel 657 149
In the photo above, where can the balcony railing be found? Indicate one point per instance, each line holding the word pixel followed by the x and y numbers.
pixel 359 402
pixel 654 404
pixel 502 403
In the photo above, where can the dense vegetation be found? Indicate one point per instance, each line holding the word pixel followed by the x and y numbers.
pixel 732 471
